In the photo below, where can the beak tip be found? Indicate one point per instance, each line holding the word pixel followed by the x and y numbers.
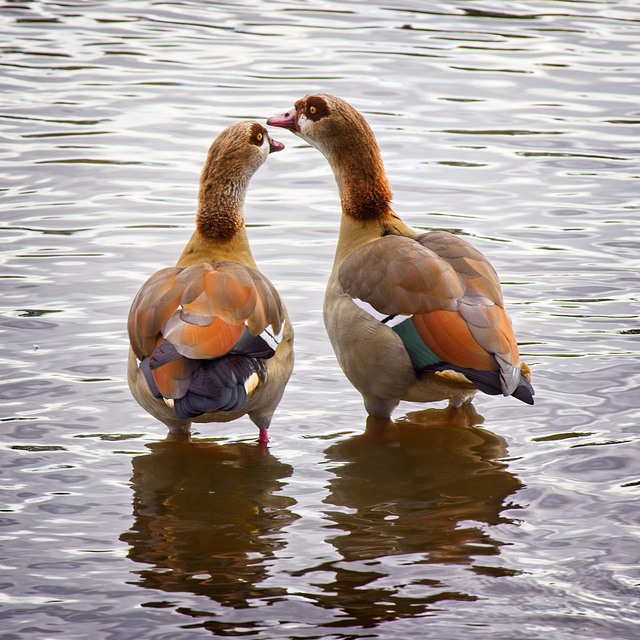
pixel 284 121
pixel 274 146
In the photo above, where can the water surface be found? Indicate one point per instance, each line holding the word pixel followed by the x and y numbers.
pixel 512 124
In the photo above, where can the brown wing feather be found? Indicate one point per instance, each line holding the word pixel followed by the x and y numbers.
pixel 264 307
pixel 471 266
pixel 397 275
pixel 202 309
pixel 232 292
pixel 488 323
pixel 491 327
pixel 448 286
pixel 154 303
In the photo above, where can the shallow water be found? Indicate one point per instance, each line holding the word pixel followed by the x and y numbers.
pixel 514 124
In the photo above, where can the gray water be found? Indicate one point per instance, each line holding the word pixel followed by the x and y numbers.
pixel 514 124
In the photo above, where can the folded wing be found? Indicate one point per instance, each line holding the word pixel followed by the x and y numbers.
pixel 201 334
pixel 443 298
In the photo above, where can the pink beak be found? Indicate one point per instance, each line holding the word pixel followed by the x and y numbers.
pixel 286 120
pixel 274 145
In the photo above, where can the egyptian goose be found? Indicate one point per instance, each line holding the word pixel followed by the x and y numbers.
pixel 210 338
pixel 410 316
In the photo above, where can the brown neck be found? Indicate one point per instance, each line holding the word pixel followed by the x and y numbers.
pixel 220 203
pixel 220 232
pixel 365 193
pixel 218 224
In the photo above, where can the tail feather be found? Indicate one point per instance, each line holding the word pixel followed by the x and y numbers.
pixel 227 372
pixel 193 404
pixel 214 385
pixel 488 381
pixel 524 391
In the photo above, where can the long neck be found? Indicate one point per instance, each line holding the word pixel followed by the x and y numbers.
pixel 364 191
pixel 220 199
pixel 220 231
pixel 362 183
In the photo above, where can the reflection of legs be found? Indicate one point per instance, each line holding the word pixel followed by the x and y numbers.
pixel 464 416
pixel 385 429
pixel 208 518
pixel 379 429
pixel 429 496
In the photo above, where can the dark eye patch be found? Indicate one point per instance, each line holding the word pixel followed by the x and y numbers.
pixel 316 108
pixel 258 134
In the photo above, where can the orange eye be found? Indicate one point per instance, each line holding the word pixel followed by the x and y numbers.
pixel 259 137
pixel 312 110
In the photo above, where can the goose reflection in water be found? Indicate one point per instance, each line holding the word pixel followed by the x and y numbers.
pixel 208 519
pixel 406 500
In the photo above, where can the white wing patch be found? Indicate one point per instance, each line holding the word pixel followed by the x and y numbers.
pixel 272 339
pixel 390 321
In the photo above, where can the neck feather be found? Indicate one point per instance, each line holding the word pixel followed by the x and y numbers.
pixel 220 201
pixel 365 193
pixel 217 222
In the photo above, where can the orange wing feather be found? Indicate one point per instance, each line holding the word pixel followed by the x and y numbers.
pixel 202 309
pixel 170 377
pixel 446 333
pixel 197 342
pixel 481 306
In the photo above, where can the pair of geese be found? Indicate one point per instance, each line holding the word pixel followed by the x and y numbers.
pixel 410 316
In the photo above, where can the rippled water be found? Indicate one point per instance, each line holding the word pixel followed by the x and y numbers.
pixel 512 123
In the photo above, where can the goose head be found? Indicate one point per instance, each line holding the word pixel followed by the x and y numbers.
pixel 326 122
pixel 240 150
pixel 233 157
pixel 342 135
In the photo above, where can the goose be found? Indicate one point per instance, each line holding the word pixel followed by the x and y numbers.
pixel 210 339
pixel 410 316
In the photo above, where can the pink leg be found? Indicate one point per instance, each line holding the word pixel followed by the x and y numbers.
pixel 263 438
